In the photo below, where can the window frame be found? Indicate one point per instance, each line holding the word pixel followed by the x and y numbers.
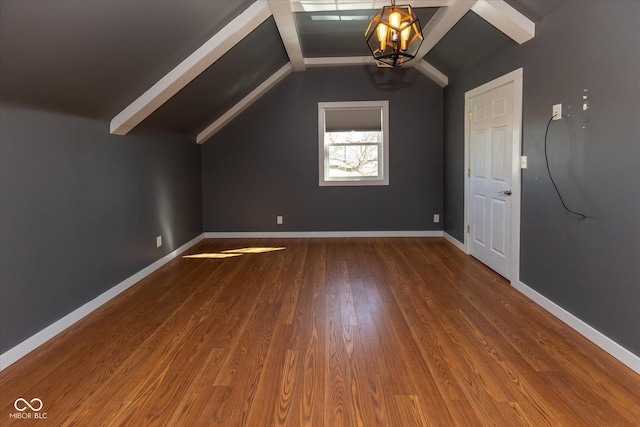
pixel 383 153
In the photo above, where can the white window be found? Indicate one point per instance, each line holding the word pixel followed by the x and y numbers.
pixel 353 143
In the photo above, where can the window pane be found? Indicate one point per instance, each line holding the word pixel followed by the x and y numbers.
pixel 353 143
pixel 352 137
pixel 353 161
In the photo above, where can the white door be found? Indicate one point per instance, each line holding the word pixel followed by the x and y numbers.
pixel 490 177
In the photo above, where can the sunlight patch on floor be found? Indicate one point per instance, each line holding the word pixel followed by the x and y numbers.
pixel 234 252
pixel 214 255
pixel 252 250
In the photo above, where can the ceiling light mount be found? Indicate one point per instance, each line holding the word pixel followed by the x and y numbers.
pixel 394 35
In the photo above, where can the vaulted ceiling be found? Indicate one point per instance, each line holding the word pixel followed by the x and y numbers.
pixel 191 65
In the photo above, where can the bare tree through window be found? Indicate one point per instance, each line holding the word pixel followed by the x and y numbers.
pixel 353 153
pixel 353 143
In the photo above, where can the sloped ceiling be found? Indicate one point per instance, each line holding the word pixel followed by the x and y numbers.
pixel 92 58
pixel 95 58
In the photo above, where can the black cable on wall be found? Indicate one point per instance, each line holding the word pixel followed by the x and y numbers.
pixel 546 158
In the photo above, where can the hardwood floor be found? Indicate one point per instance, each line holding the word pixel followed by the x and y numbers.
pixel 325 332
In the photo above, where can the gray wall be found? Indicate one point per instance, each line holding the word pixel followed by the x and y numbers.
pixel 265 162
pixel 590 267
pixel 80 211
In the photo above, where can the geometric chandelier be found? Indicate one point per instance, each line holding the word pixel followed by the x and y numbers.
pixel 394 35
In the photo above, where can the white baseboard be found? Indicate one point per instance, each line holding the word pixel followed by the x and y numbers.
pixel 455 242
pixel 11 356
pixel 593 335
pixel 318 234
pixel 30 344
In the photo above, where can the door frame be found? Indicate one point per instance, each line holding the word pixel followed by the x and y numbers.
pixel 514 77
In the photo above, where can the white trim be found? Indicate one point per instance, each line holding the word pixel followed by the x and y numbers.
pixel 598 338
pixel 514 77
pixel 30 344
pixel 339 61
pixel 14 354
pixel 455 242
pixel 190 68
pixel 345 61
pixel 593 335
pixel 244 103
pixel 432 72
pixel 329 6
pixel 506 19
pixel 323 162
pixel 316 234
pixel 286 24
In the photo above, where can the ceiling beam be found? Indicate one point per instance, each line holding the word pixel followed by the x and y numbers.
pixel 342 5
pixel 432 72
pixel 190 68
pixel 444 19
pixel 339 61
pixel 286 23
pixel 506 19
pixel 252 97
pixel 344 61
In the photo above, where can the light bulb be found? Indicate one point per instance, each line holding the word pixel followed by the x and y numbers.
pixel 404 35
pixel 382 36
pixel 394 20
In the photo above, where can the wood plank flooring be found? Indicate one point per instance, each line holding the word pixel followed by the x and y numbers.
pixel 323 332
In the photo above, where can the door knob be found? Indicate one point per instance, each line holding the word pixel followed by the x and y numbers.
pixel 505 192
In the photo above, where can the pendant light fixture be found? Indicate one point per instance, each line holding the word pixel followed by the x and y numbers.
pixel 394 35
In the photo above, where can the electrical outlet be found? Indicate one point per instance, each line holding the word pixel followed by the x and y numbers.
pixel 279 220
pixel 436 218
pixel 557 111
pixel 158 241
pixel 523 162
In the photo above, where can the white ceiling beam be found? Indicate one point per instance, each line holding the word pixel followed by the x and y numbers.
pixel 444 19
pixel 339 61
pixel 506 19
pixel 190 68
pixel 344 61
pixel 341 5
pixel 432 72
pixel 286 23
pixel 252 97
